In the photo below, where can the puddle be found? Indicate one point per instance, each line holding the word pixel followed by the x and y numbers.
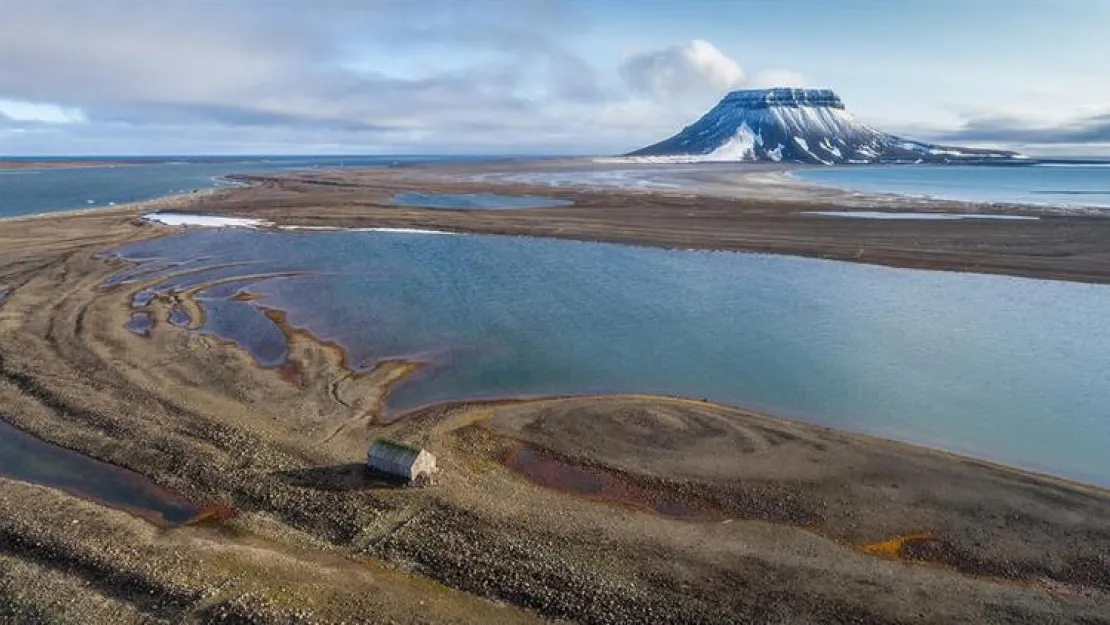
pixel 5 294
pixel 143 298
pixel 475 201
pixel 594 483
pixel 140 324
pixel 28 459
pixel 179 317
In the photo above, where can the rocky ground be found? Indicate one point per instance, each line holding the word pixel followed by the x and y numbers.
pixel 594 510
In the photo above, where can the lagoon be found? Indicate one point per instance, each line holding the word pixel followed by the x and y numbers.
pixel 1006 369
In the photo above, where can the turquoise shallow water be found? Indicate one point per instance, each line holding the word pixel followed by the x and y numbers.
pixel 1050 185
pixel 1002 368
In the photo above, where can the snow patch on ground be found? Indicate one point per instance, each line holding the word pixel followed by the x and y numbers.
pixel 211 221
pixel 205 221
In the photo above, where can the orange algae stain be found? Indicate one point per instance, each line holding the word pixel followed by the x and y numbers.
pixel 291 372
pixel 212 513
pixel 892 548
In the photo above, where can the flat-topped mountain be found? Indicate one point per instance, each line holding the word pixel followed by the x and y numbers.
pixel 802 126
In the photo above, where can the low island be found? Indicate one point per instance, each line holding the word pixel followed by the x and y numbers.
pixel 254 504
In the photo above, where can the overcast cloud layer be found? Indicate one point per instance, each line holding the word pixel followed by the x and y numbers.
pixel 123 76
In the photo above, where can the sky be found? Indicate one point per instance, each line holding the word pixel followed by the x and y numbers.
pixel 83 77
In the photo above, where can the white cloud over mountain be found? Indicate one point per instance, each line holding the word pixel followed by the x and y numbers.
pixel 336 75
pixel 682 71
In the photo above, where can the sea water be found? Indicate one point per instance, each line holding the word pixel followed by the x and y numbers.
pixel 1058 184
pixel 34 191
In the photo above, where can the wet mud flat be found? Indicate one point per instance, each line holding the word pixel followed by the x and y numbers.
pixel 837 528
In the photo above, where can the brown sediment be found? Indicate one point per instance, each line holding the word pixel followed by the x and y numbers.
pixel 316 540
pixel 546 469
pixel 681 501
pixel 291 372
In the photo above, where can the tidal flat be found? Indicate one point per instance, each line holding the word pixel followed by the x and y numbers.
pixel 690 510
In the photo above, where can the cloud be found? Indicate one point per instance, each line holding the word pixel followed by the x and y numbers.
pixel 314 68
pixel 338 75
pixel 682 71
pixel 22 111
pixel 1022 130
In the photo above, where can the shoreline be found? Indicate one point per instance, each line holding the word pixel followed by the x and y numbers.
pixel 1054 246
pixel 925 199
pixel 44 165
pixel 162 202
pixel 316 537
pixel 408 365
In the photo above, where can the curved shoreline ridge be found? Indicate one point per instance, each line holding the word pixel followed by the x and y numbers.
pixel 624 509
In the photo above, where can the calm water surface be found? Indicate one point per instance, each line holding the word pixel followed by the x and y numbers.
pixel 1050 185
pixel 29 459
pixel 475 201
pixel 33 191
pixel 1003 368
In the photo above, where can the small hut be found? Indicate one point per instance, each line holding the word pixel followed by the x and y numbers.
pixel 400 460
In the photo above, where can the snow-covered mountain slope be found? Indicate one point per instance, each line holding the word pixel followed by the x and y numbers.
pixel 800 126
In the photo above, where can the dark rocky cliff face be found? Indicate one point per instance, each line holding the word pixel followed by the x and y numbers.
pixel 802 126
